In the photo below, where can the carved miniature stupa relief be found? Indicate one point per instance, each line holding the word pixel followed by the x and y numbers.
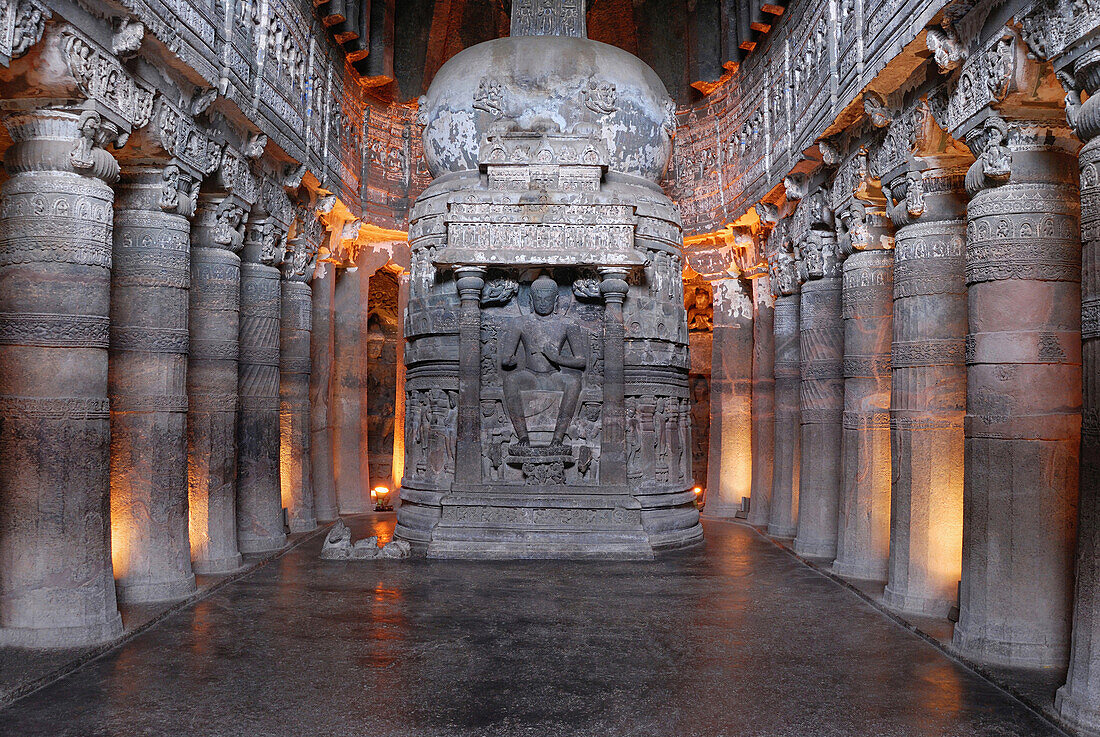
pixel 547 406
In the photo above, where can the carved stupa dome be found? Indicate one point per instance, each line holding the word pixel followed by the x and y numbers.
pixel 552 84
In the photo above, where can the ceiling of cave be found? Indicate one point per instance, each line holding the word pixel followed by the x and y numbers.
pixel 682 40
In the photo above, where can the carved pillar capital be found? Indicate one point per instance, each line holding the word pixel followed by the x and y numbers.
pixel 469 280
pixel 613 284
pixel 61 140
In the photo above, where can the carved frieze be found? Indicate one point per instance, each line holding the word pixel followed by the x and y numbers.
pixel 21 25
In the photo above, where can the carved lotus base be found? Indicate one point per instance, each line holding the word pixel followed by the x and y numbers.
pixel 541 466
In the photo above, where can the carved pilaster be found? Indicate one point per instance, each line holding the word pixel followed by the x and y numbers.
pixel 763 399
pixel 55 271
pixel 469 280
pixel 783 512
pixel 321 351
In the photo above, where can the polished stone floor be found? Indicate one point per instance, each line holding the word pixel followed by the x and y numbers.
pixel 737 639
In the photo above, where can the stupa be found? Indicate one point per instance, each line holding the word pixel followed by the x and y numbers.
pixel 547 408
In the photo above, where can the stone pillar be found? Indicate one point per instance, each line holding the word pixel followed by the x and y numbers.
pixel 56 587
pixel 1078 701
pixel 469 280
pixel 349 420
pixel 321 351
pixel 147 384
pixel 1023 396
pixel 295 323
pixel 399 401
pixel 863 528
pixel 822 394
pixel 212 381
pixel 783 515
pixel 928 396
pixel 729 468
pixel 763 401
pixel 259 496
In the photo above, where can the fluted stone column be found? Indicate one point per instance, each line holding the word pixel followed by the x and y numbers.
pixel 399 401
pixel 863 529
pixel 763 400
pixel 1078 701
pixel 321 350
pixel 56 586
pixel 783 512
pixel 928 396
pixel 729 468
pixel 259 495
pixel 822 395
pixel 147 383
pixel 352 471
pixel 295 323
pixel 212 382
pixel 1023 416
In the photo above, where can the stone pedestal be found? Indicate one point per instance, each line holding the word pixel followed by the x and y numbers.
pixel 349 407
pixel 147 382
pixel 763 401
pixel 863 531
pixel 1023 398
pixel 783 514
pixel 822 395
pixel 259 496
pixel 1078 701
pixel 56 587
pixel 294 376
pixel 212 383
pixel 321 349
pixel 729 468
pixel 928 400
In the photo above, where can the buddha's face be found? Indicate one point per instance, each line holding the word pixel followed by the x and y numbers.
pixel 544 296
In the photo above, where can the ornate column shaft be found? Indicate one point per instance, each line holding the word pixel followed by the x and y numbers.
pixel 783 514
pixel 822 396
pixel 259 496
pixel 613 287
pixel 729 469
pixel 1023 354
pixel 55 268
pixel 399 401
pixel 295 324
pixel 321 351
pixel 147 383
pixel 928 393
pixel 1078 701
pixel 863 528
pixel 349 419
pixel 212 381
pixel 763 400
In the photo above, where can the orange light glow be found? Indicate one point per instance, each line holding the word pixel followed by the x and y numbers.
pixel 698 490
pixel 379 491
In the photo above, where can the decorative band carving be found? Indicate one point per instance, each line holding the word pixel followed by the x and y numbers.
pixel 940 241
pixel 822 368
pixel 819 416
pixel 1024 347
pixel 927 285
pixel 211 402
pixel 55 408
pixel 53 330
pixel 867 420
pixel 587 518
pixel 930 352
pixel 788 369
pixel 261 355
pixel 149 403
pixel 205 348
pixel 1042 260
pixel 251 403
pixel 295 364
pixel 151 275
pixel 859 367
pixel 149 340
pixel 1090 318
pixel 908 424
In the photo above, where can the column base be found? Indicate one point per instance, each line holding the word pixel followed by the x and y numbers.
pixel 723 512
pixel 60 637
pixel 860 571
pixel 327 515
pixel 821 549
pixel 303 525
pixel 990 651
pixel 787 533
pixel 921 606
pixel 257 545
pixel 1081 714
pixel 217 566
pixel 140 592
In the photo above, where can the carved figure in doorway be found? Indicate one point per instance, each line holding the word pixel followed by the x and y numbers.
pixel 544 351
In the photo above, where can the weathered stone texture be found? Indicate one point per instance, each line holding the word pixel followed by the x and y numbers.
pixel 863 529
pixel 321 349
pixel 729 475
pixel 1023 354
pixel 763 401
pixel 147 384
pixel 296 470
pixel 55 269
pixel 928 400
pixel 349 406
pixel 783 514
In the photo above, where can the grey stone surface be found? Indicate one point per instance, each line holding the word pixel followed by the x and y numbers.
pixel 349 402
pixel 325 646
pixel 147 379
pixel 321 348
pixel 783 513
pixel 56 588
pixel 763 401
